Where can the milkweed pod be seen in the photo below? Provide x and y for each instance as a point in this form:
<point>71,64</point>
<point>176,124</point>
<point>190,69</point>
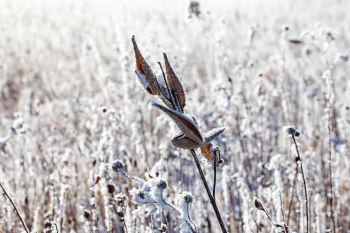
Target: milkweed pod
<point>174,83</point>
<point>187,126</point>
<point>206,151</point>
<point>212,134</point>
<point>164,94</point>
<point>184,142</point>
<point>144,72</point>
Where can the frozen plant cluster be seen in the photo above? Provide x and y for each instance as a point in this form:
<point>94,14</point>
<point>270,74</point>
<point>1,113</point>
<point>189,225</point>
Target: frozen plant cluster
<point>274,73</point>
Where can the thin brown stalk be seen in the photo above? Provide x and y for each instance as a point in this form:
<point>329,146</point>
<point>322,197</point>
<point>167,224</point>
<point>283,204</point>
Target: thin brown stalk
<point>15,208</point>
<point>207,189</point>
<point>292,197</point>
<point>284,219</point>
<point>304,183</point>
<point>214,181</point>
<point>331,177</point>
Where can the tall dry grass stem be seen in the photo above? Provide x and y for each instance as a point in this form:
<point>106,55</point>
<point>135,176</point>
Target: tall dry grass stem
<point>298,160</point>
<point>15,208</point>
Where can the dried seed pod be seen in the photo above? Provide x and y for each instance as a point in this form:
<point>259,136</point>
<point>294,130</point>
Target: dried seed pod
<point>97,180</point>
<point>206,151</point>
<point>165,94</point>
<point>258,205</point>
<point>111,188</point>
<point>187,126</point>
<point>144,72</point>
<point>212,134</point>
<point>206,148</point>
<point>191,137</point>
<point>184,142</point>
<point>175,85</point>
<point>87,214</point>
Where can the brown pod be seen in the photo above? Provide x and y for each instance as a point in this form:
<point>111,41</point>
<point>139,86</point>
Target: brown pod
<point>187,126</point>
<point>206,151</point>
<point>144,72</point>
<point>174,83</point>
<point>184,142</point>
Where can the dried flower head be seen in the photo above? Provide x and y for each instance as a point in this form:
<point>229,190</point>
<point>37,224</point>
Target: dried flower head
<point>87,214</point>
<point>258,204</point>
<point>292,131</point>
<point>194,8</point>
<point>111,188</point>
<point>188,198</point>
<point>140,197</point>
<point>161,184</point>
<point>117,165</point>
<point>163,228</point>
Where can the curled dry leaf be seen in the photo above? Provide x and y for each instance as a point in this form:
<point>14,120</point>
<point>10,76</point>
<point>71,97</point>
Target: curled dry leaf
<point>175,85</point>
<point>144,72</point>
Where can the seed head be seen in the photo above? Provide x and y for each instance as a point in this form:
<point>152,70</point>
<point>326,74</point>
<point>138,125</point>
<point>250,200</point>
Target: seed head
<point>188,198</point>
<point>141,194</point>
<point>48,225</point>
<point>258,204</point>
<point>292,131</point>
<point>111,188</point>
<point>163,227</point>
<point>117,165</point>
<point>87,214</point>
<point>162,184</point>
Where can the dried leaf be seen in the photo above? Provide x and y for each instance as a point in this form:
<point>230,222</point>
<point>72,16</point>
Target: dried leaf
<point>174,84</point>
<point>144,72</point>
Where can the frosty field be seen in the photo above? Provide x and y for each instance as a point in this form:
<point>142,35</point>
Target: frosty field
<point>83,149</point>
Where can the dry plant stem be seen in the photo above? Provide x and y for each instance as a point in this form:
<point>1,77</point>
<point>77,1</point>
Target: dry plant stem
<point>211,198</point>
<point>152,222</point>
<point>14,206</point>
<point>331,176</point>
<point>292,197</point>
<point>284,219</point>
<point>125,228</point>
<point>192,223</point>
<point>304,182</point>
<point>214,182</point>
<point>56,228</point>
